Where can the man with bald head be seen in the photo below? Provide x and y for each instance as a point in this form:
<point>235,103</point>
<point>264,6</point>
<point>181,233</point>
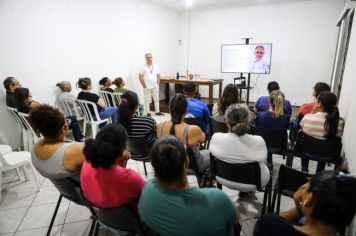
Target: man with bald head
<point>11,84</point>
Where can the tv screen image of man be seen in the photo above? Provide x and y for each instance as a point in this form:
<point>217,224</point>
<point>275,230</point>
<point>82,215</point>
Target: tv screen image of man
<point>259,64</point>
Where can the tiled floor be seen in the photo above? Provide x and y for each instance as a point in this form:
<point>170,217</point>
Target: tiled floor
<point>26,211</point>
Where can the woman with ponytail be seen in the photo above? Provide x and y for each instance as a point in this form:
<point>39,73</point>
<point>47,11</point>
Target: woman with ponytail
<point>274,120</point>
<point>237,146</point>
<point>327,202</point>
<point>136,126</point>
<point>263,103</point>
<point>105,84</point>
<point>104,179</point>
<point>191,135</point>
<point>326,123</point>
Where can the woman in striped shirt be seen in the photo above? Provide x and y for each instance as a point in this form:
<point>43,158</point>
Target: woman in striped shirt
<point>325,123</point>
<point>136,126</point>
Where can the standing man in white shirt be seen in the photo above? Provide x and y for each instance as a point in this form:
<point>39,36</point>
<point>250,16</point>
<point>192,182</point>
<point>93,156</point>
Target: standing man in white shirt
<point>149,78</point>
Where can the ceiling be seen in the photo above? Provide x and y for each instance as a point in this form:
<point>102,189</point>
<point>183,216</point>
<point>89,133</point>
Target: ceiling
<point>180,5</point>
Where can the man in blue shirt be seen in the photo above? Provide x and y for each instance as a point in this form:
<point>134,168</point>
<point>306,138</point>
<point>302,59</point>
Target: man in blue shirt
<point>262,103</point>
<point>196,108</point>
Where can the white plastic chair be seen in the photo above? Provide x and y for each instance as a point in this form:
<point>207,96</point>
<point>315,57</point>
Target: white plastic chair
<point>93,119</point>
<point>110,99</point>
<point>33,135</point>
<point>16,160</point>
<point>63,106</point>
<point>26,134</point>
<point>72,109</point>
<point>117,99</point>
<point>5,149</point>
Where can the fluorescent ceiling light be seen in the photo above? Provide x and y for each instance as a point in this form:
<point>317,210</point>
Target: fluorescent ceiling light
<point>189,2</point>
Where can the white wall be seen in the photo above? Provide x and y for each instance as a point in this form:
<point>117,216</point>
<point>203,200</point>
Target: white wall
<point>43,42</point>
<point>303,34</point>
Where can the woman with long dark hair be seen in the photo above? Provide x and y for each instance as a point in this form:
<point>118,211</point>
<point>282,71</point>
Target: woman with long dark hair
<point>23,100</point>
<point>326,123</point>
<point>191,135</point>
<point>229,96</point>
<point>136,126</point>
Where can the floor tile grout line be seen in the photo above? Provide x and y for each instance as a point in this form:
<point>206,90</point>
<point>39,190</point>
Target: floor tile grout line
<point>35,228</point>
<point>64,221</point>
<point>40,227</point>
<point>11,181</point>
<point>27,211</point>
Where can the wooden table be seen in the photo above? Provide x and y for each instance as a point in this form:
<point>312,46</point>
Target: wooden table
<point>201,82</point>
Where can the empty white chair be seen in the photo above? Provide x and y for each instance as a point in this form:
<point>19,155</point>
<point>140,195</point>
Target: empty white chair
<point>33,135</point>
<point>26,134</point>
<point>5,149</point>
<point>16,160</point>
<point>94,119</point>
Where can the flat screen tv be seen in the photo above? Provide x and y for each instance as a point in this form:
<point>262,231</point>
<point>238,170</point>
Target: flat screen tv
<point>246,58</point>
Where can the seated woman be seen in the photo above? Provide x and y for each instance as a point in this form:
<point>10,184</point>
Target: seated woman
<point>238,146</point>
<point>274,120</point>
<point>191,135</point>
<point>262,103</point>
<point>51,156</point>
<point>85,94</point>
<point>104,179</point>
<point>23,100</point>
<point>136,126</point>
<point>65,92</point>
<point>229,96</point>
<point>66,88</point>
<point>326,123</point>
<point>120,85</point>
<point>170,206</point>
<point>105,84</point>
<point>24,103</point>
<point>327,202</point>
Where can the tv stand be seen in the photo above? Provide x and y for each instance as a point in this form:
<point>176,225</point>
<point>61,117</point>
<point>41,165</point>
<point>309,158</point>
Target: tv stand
<point>240,83</point>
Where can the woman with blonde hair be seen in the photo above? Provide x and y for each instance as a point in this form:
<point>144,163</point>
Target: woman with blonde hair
<point>273,120</point>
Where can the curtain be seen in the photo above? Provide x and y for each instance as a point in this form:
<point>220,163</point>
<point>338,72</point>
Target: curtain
<point>345,25</point>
